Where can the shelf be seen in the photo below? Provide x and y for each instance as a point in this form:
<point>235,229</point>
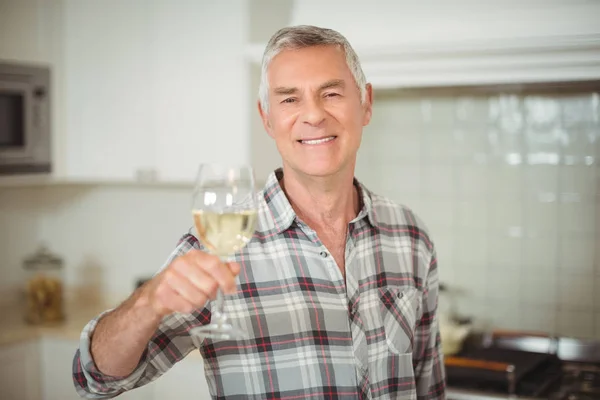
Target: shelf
<point>45,180</point>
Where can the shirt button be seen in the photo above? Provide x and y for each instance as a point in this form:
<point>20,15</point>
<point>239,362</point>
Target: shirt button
<point>324,254</point>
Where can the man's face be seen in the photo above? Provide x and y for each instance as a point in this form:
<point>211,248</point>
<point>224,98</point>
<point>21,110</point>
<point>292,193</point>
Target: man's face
<point>315,113</point>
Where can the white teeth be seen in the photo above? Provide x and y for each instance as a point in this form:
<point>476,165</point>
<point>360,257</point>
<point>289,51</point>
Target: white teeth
<point>318,141</point>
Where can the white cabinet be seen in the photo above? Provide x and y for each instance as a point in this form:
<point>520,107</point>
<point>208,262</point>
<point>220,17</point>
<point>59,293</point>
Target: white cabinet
<point>27,30</point>
<point>19,372</point>
<point>41,370</point>
<point>153,88</point>
<point>141,90</point>
<point>200,91</point>
<point>56,364</point>
<point>184,381</point>
<point>143,393</point>
<point>32,32</point>
<point>108,89</point>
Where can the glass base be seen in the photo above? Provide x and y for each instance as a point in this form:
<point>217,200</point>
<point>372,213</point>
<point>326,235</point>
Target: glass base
<point>219,332</point>
<point>219,328</point>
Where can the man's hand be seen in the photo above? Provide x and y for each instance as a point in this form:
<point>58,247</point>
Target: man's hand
<point>188,282</point>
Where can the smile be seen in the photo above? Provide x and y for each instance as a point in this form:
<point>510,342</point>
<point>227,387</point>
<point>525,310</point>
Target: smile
<point>318,141</point>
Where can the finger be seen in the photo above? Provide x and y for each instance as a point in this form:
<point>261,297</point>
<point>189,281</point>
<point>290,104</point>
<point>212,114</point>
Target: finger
<point>234,268</point>
<point>219,272</point>
<point>171,300</point>
<point>203,257</point>
<point>196,276</point>
<point>182,285</point>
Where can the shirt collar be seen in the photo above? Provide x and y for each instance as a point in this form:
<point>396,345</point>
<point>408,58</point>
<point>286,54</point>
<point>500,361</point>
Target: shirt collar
<point>281,215</point>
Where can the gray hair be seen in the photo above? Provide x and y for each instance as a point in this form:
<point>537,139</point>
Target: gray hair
<point>302,36</point>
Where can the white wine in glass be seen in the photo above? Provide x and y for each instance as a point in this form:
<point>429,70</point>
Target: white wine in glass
<point>224,209</point>
<point>224,233</point>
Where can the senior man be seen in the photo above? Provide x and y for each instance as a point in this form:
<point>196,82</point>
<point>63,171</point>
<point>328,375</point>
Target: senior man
<point>338,287</point>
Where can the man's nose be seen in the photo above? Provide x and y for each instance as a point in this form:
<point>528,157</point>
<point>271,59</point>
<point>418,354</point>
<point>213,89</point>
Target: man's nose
<point>313,112</point>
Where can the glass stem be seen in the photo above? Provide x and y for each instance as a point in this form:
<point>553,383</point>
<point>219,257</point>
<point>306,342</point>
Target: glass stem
<point>219,301</point>
<point>219,304</point>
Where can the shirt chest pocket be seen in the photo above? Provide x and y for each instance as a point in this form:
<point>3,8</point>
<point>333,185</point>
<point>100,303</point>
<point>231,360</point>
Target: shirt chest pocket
<point>400,310</point>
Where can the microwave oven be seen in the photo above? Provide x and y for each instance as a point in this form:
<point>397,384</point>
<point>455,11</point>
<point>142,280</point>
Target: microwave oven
<point>25,141</point>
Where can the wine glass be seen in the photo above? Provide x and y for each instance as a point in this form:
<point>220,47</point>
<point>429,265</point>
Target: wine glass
<point>224,209</point>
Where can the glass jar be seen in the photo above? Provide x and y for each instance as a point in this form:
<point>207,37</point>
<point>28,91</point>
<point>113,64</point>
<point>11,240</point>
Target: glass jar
<point>44,287</point>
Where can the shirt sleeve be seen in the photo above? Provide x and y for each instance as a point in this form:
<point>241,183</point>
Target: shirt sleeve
<point>429,363</point>
<point>169,344</point>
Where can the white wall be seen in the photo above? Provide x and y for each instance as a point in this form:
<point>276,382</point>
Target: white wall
<point>509,186</point>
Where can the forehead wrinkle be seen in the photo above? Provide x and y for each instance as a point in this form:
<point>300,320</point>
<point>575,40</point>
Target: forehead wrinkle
<point>333,83</point>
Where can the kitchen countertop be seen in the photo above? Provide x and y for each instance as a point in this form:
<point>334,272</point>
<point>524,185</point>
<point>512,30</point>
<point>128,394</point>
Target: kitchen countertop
<point>78,310</point>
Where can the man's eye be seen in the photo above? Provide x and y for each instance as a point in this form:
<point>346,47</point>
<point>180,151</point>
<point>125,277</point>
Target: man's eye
<point>332,95</point>
<point>289,100</point>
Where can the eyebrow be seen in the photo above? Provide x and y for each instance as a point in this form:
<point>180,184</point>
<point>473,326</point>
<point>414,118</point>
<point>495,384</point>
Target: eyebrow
<point>285,91</point>
<point>333,84</point>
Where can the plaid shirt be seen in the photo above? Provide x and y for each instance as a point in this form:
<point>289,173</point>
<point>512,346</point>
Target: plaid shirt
<point>312,334</point>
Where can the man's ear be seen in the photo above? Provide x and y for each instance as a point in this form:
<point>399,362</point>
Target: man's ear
<point>264,116</point>
<point>368,105</point>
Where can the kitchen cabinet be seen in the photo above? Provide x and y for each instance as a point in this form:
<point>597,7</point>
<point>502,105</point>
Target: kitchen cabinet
<point>199,94</point>
<point>31,32</point>
<point>41,370</point>
<point>153,88</point>
<point>184,381</point>
<point>27,31</point>
<point>108,90</point>
<point>55,363</point>
<point>55,369</point>
<point>141,90</point>
<point>19,372</point>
